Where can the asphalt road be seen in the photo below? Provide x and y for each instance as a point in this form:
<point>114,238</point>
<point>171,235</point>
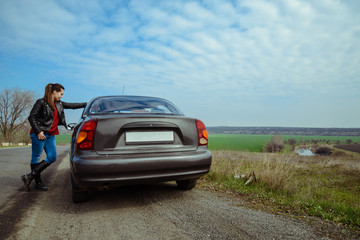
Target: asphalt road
<point>139,212</point>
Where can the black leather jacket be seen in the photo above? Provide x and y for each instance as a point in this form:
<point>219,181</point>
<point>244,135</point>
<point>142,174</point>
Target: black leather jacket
<point>42,116</point>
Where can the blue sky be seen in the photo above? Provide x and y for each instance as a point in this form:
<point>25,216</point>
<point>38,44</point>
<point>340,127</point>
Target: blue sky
<point>292,63</point>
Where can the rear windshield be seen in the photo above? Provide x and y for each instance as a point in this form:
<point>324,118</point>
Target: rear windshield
<point>132,105</point>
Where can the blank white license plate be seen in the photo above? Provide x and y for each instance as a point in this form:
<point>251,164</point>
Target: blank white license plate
<point>154,136</point>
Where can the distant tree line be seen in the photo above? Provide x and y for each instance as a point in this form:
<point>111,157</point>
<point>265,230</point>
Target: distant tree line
<point>285,131</point>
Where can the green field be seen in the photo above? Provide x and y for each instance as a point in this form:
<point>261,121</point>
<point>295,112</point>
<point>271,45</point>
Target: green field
<point>63,139</point>
<point>238,142</point>
<point>255,143</point>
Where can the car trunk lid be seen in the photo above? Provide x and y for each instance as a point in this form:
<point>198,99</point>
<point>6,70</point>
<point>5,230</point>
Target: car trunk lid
<point>140,135</point>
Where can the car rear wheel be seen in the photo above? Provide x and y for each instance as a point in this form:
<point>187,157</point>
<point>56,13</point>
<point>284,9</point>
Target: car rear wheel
<point>78,196</point>
<point>186,184</point>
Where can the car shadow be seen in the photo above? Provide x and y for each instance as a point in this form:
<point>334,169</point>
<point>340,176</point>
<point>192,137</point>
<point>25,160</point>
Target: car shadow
<point>59,197</point>
<point>138,194</point>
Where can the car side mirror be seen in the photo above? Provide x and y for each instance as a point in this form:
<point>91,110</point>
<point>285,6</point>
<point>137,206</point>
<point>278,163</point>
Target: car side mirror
<point>71,126</point>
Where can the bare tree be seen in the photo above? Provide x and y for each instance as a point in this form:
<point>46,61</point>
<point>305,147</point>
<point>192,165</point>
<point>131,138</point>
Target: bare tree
<point>23,135</point>
<point>15,105</point>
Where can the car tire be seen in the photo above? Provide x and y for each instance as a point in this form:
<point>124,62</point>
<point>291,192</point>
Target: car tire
<point>78,196</point>
<point>186,184</point>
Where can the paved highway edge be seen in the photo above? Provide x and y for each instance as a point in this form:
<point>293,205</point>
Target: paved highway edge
<point>18,203</point>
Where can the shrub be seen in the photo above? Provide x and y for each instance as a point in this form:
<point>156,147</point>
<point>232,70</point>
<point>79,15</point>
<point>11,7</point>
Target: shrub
<point>315,141</point>
<point>276,144</point>
<point>292,141</point>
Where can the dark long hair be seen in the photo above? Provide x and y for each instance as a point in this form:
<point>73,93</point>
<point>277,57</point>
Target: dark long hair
<point>49,89</point>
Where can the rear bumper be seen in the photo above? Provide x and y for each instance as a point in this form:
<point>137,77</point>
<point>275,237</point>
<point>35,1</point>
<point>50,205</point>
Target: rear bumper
<point>96,171</point>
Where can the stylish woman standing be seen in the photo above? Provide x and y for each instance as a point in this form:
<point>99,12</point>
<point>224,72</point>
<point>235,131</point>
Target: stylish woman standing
<point>45,116</point>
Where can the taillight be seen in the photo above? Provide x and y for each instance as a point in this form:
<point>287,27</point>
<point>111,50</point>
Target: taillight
<point>85,137</point>
<point>202,133</point>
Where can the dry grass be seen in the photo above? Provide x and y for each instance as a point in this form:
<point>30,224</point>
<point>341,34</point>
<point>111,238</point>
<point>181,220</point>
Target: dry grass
<point>273,169</point>
<point>327,187</point>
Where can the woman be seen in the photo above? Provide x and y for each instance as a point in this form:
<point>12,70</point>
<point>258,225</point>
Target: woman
<point>45,116</point>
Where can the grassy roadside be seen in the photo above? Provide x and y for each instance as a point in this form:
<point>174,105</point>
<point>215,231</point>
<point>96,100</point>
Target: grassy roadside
<point>63,139</point>
<point>325,187</point>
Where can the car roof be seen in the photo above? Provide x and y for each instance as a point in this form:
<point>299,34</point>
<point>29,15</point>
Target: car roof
<point>126,96</point>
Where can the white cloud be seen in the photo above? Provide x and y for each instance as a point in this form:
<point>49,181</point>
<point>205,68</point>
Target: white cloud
<point>246,50</point>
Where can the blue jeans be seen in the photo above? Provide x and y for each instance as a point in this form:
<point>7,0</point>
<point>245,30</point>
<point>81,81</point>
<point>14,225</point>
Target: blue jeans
<point>37,145</point>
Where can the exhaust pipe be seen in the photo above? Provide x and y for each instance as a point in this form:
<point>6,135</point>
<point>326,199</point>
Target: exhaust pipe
<point>105,187</point>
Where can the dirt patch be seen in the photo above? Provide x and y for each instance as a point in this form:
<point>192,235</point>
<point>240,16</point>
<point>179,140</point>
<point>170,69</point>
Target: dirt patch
<point>349,147</point>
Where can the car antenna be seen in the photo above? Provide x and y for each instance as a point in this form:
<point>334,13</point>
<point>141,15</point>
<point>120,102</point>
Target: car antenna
<point>123,90</point>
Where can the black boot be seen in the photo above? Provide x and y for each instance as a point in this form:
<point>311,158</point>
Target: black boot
<point>27,178</point>
<point>39,185</point>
